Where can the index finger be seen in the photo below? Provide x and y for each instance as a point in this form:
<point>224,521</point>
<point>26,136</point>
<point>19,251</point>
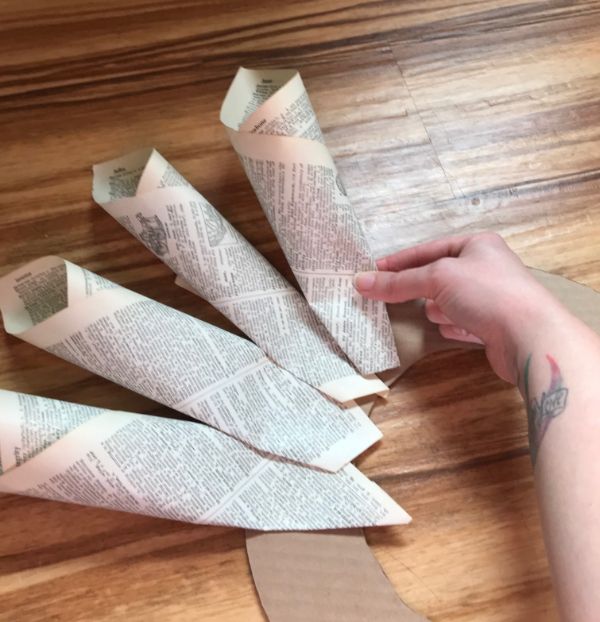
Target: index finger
<point>396,286</point>
<point>423,254</point>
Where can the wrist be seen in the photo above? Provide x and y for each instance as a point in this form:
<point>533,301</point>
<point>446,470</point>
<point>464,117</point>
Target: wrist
<point>539,327</point>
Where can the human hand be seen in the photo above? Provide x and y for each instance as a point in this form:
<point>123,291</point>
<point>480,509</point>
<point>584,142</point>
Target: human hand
<point>476,290</point>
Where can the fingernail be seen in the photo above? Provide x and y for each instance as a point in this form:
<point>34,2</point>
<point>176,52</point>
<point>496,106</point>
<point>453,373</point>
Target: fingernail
<point>364,281</point>
<point>382,264</point>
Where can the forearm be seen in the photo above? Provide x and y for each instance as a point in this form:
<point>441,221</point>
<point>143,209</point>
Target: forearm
<point>477,289</point>
<point>559,363</point>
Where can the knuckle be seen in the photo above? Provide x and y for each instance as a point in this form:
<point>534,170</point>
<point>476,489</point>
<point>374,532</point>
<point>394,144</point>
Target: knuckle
<point>490,237</point>
<point>440,273</point>
<point>441,269</point>
<point>390,285</point>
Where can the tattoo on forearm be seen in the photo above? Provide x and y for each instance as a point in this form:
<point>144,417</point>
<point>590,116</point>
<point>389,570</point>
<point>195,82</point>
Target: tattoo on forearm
<point>541,412</point>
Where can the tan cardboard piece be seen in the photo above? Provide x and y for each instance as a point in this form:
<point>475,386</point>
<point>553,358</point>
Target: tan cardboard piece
<point>332,575</point>
<point>321,577</point>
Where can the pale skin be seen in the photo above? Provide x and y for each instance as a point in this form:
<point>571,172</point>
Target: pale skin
<point>478,290</point>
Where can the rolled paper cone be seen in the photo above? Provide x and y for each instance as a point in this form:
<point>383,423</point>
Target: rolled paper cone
<point>179,361</point>
<point>172,469</point>
<point>155,203</point>
<point>273,128</point>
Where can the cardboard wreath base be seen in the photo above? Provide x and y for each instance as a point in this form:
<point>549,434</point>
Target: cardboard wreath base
<point>322,576</point>
<point>332,575</point>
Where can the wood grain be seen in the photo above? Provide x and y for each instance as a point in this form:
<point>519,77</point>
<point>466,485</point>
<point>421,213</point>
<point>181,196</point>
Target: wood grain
<point>443,116</point>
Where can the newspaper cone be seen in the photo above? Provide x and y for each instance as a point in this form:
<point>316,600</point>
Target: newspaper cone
<point>177,360</point>
<point>178,470</point>
<point>275,132</point>
<point>162,210</point>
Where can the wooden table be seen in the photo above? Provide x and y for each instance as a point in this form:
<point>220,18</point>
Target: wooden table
<point>443,116</point>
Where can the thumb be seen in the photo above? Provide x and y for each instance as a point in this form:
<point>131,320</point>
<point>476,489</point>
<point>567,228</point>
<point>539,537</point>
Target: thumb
<point>395,286</point>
